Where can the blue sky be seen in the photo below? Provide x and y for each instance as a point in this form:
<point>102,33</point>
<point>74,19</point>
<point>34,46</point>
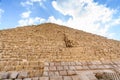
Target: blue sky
<point>101,17</point>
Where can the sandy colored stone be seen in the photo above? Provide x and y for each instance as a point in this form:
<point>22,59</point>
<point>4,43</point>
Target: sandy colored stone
<point>75,78</point>
<point>63,73</point>
<point>35,78</point>
<point>13,75</point>
<point>27,48</point>
<point>52,68</point>
<point>44,78</point>
<point>23,74</point>
<point>27,79</point>
<point>78,67</point>
<point>46,68</point>
<point>67,78</point>
<point>4,75</point>
<point>60,68</point>
<point>71,72</point>
<point>71,67</point>
<point>57,73</point>
<point>92,66</point>
<point>66,67</point>
<point>45,73</point>
<point>56,78</point>
<point>51,73</point>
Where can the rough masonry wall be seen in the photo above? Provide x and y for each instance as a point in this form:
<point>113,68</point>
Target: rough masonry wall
<point>26,48</point>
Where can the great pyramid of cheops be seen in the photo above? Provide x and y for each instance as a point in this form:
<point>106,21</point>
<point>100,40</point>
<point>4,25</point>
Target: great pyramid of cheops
<point>27,48</point>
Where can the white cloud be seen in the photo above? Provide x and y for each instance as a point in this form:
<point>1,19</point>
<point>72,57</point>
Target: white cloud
<point>31,3</point>
<point>26,14</point>
<point>31,21</point>
<point>86,15</point>
<point>26,18</point>
<point>1,12</point>
<point>26,3</point>
<point>53,20</point>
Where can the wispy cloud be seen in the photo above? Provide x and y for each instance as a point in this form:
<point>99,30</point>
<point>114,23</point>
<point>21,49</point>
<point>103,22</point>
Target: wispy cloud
<point>31,3</point>
<point>26,14</point>
<point>87,15</point>
<point>31,21</point>
<point>26,18</point>
<point>1,12</point>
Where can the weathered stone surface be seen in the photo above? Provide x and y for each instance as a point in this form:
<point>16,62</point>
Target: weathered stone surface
<point>57,63</point>
<point>85,67</point>
<point>27,79</point>
<point>73,63</point>
<point>83,77</point>
<point>4,75</point>
<point>108,66</point>
<point>78,63</point>
<point>46,64</point>
<point>67,77</point>
<point>63,73</point>
<point>45,73</point>
<point>91,76</point>
<point>44,78</point>
<point>52,68</point>
<point>51,73</point>
<point>56,78</point>
<point>23,74</point>
<point>78,67</point>
<point>66,68</point>
<point>96,62</point>
<point>57,73</point>
<point>71,67</point>
<point>71,72</point>
<point>1,46</point>
<point>35,78</point>
<point>99,75</point>
<point>76,77</point>
<point>92,66</point>
<point>60,45</point>
<point>60,68</point>
<point>51,64</point>
<point>13,75</point>
<point>101,66</point>
<point>18,79</point>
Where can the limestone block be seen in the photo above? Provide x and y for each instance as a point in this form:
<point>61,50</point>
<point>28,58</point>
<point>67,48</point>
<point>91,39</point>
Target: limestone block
<point>44,78</point>
<point>59,68</point>
<point>45,73</point>
<point>13,75</point>
<point>18,79</point>
<point>35,78</point>
<point>67,78</point>
<point>4,75</point>
<point>63,73</point>
<point>27,79</point>
<point>71,72</point>
<point>2,46</point>
<point>23,74</point>
<point>56,78</point>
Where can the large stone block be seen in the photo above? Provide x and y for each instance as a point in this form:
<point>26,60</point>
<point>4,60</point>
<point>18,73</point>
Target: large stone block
<point>13,75</point>
<point>23,74</point>
<point>4,75</point>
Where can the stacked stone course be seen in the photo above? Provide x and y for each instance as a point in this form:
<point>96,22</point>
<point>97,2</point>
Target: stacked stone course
<point>27,48</point>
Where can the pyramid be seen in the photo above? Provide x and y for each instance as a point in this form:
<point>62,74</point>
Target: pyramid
<point>27,48</point>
